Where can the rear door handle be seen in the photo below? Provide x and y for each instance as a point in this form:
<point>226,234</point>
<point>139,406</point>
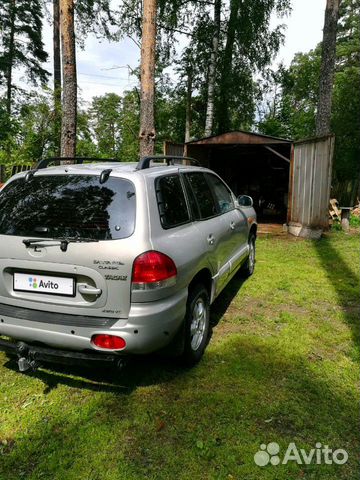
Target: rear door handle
<point>211,239</point>
<point>232,225</point>
<point>87,290</point>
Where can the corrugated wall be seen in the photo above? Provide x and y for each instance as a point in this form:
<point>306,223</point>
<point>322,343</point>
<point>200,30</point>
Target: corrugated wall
<point>310,180</point>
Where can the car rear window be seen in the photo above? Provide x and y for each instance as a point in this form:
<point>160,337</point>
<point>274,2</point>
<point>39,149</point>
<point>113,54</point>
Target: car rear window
<point>60,206</point>
<point>171,201</point>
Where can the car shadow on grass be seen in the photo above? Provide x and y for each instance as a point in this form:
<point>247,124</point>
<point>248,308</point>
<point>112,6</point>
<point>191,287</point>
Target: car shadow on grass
<point>248,391</point>
<point>345,283</point>
<point>138,371</point>
<point>221,304</point>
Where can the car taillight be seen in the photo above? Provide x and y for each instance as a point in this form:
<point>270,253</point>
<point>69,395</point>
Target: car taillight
<point>108,342</point>
<point>153,270</point>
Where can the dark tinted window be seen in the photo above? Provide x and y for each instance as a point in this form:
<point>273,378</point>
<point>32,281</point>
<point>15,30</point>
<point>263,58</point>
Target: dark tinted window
<point>171,201</point>
<point>192,200</point>
<point>221,192</point>
<point>68,206</point>
<point>203,194</point>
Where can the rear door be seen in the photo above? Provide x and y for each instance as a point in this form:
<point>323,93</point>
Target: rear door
<point>90,274</point>
<point>233,219</point>
<point>210,223</point>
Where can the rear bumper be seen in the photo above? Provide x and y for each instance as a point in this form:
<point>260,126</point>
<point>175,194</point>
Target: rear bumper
<point>36,355</point>
<point>150,327</point>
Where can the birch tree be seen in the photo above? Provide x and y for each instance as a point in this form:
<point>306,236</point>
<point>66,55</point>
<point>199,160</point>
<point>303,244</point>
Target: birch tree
<point>212,70</point>
<point>224,117</point>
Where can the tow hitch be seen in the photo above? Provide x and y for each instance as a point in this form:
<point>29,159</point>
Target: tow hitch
<point>31,357</point>
<point>25,360</point>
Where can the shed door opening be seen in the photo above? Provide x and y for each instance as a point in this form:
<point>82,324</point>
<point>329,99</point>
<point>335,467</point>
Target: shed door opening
<point>255,170</point>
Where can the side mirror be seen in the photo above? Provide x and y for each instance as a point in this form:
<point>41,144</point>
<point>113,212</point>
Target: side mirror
<point>245,201</point>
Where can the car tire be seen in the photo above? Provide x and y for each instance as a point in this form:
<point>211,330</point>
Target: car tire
<point>196,325</point>
<point>249,266</point>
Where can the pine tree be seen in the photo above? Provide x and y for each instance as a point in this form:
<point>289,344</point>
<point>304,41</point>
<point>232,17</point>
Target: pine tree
<point>57,74</point>
<point>323,117</point>
<point>21,43</point>
<point>148,47</point>
<point>69,103</point>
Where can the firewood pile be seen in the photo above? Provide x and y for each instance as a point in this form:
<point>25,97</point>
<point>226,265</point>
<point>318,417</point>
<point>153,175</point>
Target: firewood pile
<point>356,211</point>
<point>335,210</point>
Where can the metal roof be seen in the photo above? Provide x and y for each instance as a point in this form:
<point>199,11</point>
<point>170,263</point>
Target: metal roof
<point>239,137</point>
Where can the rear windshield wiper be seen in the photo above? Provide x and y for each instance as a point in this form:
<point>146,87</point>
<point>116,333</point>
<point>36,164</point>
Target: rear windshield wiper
<point>64,242</point>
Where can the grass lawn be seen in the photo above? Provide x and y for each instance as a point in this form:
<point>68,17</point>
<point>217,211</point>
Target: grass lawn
<point>282,366</point>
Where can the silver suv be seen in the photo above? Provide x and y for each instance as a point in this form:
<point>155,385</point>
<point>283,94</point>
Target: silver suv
<point>106,259</point>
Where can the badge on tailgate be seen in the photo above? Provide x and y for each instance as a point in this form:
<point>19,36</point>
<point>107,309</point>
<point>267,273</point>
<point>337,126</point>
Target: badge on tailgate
<point>32,282</point>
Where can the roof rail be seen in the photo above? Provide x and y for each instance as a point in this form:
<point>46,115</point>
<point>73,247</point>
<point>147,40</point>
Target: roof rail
<point>75,160</point>
<point>72,160</point>
<point>145,161</point>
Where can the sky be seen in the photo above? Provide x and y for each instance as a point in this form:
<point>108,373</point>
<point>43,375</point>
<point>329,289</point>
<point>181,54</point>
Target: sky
<point>103,67</point>
<point>304,28</point>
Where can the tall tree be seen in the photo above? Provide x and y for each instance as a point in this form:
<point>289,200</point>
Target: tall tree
<point>296,90</point>
<point>323,117</point>
<point>185,71</point>
<point>147,75</point>
<point>212,70</point>
<point>129,126</point>
<point>105,112</point>
<point>57,73</point>
<point>224,120</point>
<point>69,103</point>
<point>97,17</point>
<point>296,108</point>
<point>10,56</point>
<point>348,35</point>
<point>188,113</point>
<point>250,46</point>
<point>21,42</point>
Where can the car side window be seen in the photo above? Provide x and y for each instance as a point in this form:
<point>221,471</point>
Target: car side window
<point>203,195</point>
<point>171,201</point>
<point>194,207</point>
<point>222,194</point>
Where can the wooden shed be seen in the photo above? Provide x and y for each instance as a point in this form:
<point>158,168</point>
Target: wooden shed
<point>289,181</point>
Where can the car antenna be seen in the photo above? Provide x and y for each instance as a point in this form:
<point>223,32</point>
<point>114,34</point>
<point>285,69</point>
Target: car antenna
<point>104,175</point>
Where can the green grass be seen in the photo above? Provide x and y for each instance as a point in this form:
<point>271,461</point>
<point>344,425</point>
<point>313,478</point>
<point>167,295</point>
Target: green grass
<point>354,221</point>
<point>282,366</point>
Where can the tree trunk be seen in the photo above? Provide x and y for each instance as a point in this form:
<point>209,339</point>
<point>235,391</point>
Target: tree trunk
<point>225,82</point>
<point>188,104</point>
<point>10,59</point>
<point>323,117</point>
<point>148,46</point>
<point>69,104</point>
<point>57,75</point>
<point>212,70</point>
